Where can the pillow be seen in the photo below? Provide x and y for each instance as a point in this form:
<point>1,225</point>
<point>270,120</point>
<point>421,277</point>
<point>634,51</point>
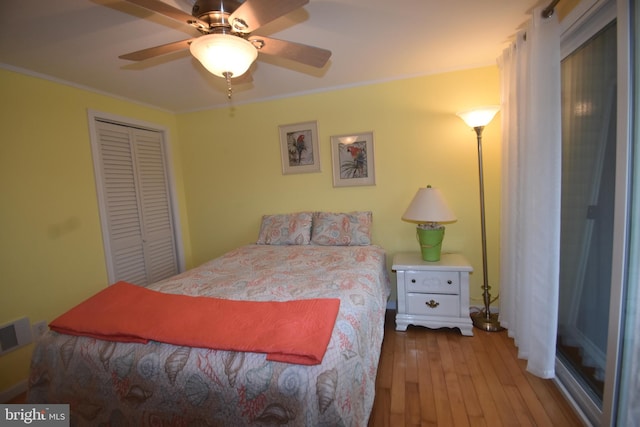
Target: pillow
<point>341,229</point>
<point>285,229</point>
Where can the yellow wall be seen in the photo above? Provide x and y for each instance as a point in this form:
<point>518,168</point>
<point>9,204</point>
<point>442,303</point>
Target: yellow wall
<point>51,253</point>
<point>228,171</point>
<point>233,174</point>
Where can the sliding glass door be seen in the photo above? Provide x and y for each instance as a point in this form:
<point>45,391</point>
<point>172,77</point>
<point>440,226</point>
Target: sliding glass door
<point>594,217</point>
<point>588,188</point>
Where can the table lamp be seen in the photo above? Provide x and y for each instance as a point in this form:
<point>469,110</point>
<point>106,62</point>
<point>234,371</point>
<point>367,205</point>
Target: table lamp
<point>428,208</point>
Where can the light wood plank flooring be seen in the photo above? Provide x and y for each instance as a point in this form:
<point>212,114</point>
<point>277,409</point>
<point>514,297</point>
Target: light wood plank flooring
<point>440,378</point>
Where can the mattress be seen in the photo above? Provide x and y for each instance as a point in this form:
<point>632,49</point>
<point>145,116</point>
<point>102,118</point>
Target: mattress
<point>136,384</point>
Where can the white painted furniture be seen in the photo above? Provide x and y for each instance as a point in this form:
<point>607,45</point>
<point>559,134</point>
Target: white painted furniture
<point>433,294</point>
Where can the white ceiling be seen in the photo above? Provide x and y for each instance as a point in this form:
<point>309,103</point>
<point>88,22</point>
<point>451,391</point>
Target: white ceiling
<point>78,41</point>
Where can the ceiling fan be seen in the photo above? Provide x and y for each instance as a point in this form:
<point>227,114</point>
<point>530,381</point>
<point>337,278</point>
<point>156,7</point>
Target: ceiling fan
<point>227,47</point>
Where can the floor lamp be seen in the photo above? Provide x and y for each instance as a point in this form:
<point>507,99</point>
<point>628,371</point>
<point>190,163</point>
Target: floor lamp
<point>478,118</point>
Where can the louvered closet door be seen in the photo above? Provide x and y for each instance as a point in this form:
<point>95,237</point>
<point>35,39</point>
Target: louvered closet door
<point>157,224</point>
<point>137,205</point>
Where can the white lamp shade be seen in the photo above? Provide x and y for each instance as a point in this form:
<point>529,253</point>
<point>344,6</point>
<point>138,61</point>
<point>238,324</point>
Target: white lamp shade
<point>224,53</point>
<point>480,116</point>
<point>428,205</point>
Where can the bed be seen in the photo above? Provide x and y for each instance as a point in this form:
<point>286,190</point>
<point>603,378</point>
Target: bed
<point>297,257</point>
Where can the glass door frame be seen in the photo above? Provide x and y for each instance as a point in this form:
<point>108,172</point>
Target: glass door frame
<point>587,18</point>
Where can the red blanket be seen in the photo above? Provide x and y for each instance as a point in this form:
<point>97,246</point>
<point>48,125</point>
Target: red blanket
<point>289,331</point>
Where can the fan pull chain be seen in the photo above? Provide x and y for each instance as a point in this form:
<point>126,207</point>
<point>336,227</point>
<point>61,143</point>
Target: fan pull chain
<point>227,77</point>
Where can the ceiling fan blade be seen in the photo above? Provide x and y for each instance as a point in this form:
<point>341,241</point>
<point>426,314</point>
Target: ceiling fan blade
<point>171,12</point>
<point>152,52</point>
<point>309,55</point>
<point>252,14</point>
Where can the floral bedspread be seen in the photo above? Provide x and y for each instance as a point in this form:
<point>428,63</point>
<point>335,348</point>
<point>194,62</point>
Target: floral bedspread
<point>155,384</point>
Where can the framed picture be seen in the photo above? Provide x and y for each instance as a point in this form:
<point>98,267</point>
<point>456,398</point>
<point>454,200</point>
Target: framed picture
<point>353,161</point>
<point>299,148</point>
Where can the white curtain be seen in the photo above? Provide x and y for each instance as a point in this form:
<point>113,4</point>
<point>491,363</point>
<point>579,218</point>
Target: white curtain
<point>530,242</point>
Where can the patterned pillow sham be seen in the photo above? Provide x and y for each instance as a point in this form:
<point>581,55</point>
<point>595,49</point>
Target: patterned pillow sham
<point>341,229</point>
<point>285,229</point>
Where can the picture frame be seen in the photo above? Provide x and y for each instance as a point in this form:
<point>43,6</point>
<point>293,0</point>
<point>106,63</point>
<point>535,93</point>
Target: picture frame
<point>353,159</point>
<point>299,148</point>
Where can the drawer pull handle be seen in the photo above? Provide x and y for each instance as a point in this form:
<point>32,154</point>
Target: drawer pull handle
<point>449,282</point>
<point>432,303</point>
<point>413,280</point>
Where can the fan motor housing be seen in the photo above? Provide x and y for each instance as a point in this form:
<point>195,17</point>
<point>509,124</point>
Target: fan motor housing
<point>215,12</point>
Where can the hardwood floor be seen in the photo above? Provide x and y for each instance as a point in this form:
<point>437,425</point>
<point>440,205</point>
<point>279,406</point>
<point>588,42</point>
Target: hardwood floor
<point>440,378</point>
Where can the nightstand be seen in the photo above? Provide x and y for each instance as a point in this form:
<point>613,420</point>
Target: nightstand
<point>433,294</point>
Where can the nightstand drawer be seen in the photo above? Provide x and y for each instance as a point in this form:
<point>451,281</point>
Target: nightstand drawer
<point>433,304</point>
<point>444,282</point>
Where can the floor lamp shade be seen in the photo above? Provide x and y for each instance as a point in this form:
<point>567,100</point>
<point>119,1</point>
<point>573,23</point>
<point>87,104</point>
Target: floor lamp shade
<point>480,116</point>
<point>428,208</point>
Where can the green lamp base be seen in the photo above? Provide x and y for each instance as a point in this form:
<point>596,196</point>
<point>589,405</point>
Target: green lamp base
<point>430,242</point>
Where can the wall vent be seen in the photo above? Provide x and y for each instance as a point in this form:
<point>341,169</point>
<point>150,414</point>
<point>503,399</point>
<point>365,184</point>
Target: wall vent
<point>14,335</point>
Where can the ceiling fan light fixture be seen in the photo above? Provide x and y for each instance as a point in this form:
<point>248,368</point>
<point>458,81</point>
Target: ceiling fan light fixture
<point>224,53</point>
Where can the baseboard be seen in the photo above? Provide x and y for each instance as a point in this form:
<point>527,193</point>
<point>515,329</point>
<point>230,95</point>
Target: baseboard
<point>14,391</point>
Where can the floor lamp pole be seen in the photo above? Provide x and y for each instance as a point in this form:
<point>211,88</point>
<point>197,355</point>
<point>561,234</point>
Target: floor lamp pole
<point>484,319</point>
